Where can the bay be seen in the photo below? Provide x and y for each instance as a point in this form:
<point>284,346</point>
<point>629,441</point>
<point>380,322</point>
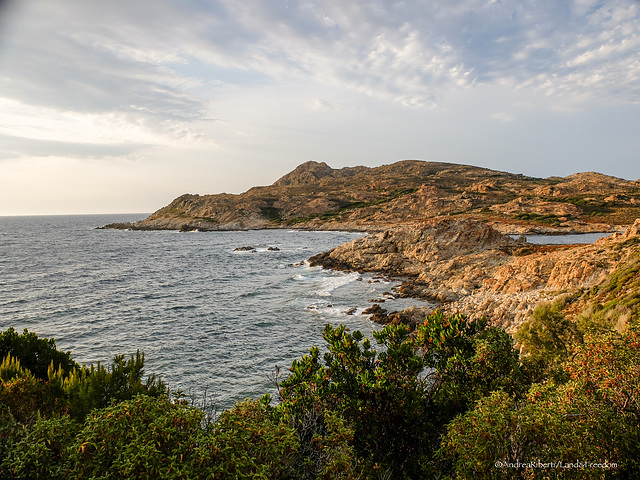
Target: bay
<point>206,316</point>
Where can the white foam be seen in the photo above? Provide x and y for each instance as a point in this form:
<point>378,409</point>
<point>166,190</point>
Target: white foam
<point>307,266</point>
<point>330,284</point>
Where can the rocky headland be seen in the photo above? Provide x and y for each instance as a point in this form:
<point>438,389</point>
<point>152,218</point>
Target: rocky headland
<point>318,197</point>
<point>442,228</point>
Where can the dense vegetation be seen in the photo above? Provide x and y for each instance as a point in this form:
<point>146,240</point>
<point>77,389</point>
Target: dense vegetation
<point>450,399</point>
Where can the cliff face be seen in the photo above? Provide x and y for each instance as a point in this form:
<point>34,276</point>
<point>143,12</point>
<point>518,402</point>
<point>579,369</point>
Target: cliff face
<point>467,266</point>
<point>316,196</point>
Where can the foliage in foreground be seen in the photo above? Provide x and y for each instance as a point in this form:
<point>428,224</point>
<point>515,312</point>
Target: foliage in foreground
<point>34,354</point>
<point>399,400</point>
<point>592,418</point>
<point>452,399</point>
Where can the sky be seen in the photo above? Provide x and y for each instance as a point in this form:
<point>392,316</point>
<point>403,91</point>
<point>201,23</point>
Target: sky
<point>121,106</point>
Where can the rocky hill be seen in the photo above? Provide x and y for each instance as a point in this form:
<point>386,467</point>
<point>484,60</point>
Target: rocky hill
<point>316,196</point>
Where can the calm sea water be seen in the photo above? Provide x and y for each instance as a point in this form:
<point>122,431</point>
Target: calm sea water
<point>577,238</point>
<point>206,316</point>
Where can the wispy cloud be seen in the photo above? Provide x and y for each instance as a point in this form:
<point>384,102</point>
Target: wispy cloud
<point>145,79</point>
<point>104,55</point>
<point>503,116</point>
<point>413,52</point>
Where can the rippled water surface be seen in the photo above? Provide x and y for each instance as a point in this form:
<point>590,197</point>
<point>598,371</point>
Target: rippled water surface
<point>205,315</point>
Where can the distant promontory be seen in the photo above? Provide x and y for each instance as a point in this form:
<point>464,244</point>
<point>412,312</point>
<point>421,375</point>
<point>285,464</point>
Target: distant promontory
<point>315,196</point>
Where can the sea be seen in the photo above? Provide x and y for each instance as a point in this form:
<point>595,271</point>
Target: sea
<point>213,321</point>
<point>210,319</point>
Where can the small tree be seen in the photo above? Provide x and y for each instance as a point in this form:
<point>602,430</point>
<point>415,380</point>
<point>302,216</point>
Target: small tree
<point>35,354</point>
<point>547,339</point>
<point>465,361</point>
<point>381,396</point>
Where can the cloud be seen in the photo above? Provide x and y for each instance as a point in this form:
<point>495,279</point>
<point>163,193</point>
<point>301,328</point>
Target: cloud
<point>136,57</point>
<point>15,147</point>
<point>80,66</point>
<point>257,81</point>
<point>503,117</point>
<point>414,52</point>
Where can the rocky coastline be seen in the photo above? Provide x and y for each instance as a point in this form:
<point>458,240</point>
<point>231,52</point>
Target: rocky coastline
<point>441,228</point>
<point>466,266</point>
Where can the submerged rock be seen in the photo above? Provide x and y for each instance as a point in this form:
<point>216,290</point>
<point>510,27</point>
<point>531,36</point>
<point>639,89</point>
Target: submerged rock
<point>245,249</point>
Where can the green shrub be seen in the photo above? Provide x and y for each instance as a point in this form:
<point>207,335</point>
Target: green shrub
<point>548,338</point>
<point>380,396</point>
<point>465,361</point>
<point>92,387</point>
<point>141,438</point>
<point>28,397</point>
<point>326,449</point>
<point>536,217</point>
<point>475,441</point>
<point>42,450</point>
<point>248,441</point>
<point>9,431</point>
<point>35,354</point>
<point>593,417</point>
<point>398,401</point>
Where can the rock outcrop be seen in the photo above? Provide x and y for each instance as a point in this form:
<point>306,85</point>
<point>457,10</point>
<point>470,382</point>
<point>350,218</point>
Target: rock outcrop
<point>467,266</point>
<point>305,174</point>
<point>412,251</point>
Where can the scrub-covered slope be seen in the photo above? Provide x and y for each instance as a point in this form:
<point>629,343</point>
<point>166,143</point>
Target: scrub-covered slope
<point>316,196</point>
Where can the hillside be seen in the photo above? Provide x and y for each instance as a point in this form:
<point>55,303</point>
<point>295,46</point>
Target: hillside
<point>316,196</point>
